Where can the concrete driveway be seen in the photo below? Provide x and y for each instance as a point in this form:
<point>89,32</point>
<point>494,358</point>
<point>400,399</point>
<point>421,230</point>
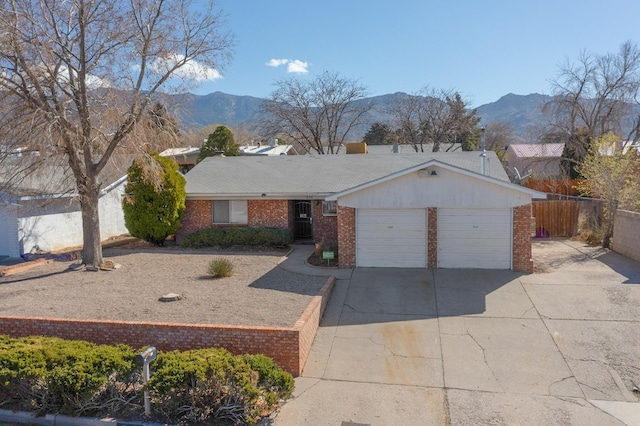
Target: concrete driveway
<point>458,347</point>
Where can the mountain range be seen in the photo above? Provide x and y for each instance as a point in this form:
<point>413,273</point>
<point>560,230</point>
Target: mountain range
<point>522,112</point>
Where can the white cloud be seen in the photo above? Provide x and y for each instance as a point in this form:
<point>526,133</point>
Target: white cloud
<point>191,70</point>
<point>297,66</point>
<point>293,65</point>
<point>276,62</point>
<point>92,81</point>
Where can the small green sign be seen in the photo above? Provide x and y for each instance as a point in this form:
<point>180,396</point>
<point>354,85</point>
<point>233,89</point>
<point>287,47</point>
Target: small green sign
<point>328,255</point>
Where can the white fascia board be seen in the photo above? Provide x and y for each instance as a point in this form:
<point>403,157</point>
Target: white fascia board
<point>430,163</point>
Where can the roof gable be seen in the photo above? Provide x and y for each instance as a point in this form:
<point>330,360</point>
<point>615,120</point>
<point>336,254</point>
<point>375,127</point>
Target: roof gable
<point>429,168</point>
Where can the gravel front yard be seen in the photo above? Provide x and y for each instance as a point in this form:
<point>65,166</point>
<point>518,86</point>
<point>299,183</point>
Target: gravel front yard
<point>258,293</point>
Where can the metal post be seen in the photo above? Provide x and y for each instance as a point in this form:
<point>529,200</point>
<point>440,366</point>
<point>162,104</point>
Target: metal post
<point>143,360</point>
<point>483,155</point>
<point>147,400</point>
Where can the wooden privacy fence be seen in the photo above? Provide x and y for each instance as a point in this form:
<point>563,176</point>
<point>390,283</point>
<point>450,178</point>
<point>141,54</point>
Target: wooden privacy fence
<point>556,218</point>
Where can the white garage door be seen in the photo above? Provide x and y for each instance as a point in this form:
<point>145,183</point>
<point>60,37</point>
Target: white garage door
<point>474,238</point>
<point>391,238</point>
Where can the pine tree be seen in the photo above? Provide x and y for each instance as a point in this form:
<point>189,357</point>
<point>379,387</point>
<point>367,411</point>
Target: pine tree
<point>154,198</point>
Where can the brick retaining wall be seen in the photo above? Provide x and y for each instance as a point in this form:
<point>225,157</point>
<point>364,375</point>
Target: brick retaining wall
<point>626,234</point>
<point>289,347</point>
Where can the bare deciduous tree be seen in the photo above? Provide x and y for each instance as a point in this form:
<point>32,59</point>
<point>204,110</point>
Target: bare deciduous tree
<point>498,136</point>
<point>317,115</point>
<point>610,172</point>
<point>436,117</point>
<point>592,96</point>
<point>81,75</point>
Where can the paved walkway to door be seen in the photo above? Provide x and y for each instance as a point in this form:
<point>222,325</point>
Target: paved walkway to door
<point>434,347</point>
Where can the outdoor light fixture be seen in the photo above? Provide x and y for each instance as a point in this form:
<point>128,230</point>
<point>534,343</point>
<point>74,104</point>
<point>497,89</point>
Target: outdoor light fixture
<point>433,173</point>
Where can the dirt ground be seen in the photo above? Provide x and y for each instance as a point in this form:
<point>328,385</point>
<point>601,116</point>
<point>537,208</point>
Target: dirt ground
<point>258,293</point>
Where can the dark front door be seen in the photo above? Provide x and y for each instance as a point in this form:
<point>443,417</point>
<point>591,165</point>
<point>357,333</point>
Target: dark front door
<point>303,222</point>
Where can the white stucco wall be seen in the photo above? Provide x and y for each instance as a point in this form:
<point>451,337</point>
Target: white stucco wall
<point>62,229</point>
<point>448,189</point>
<point>626,234</point>
<point>9,245</point>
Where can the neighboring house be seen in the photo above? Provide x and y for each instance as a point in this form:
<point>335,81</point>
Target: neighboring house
<point>39,211</point>
<point>404,148</point>
<point>434,210</point>
<point>540,161</point>
<point>187,157</point>
<point>270,149</point>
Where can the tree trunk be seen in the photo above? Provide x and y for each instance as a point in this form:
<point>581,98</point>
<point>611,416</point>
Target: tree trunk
<point>606,239</point>
<point>92,249</point>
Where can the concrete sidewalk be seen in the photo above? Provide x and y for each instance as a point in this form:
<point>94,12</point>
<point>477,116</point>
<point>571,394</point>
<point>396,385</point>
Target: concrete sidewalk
<point>459,347</point>
<point>296,261</point>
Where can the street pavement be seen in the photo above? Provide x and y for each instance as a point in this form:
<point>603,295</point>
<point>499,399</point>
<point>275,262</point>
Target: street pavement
<point>476,347</point>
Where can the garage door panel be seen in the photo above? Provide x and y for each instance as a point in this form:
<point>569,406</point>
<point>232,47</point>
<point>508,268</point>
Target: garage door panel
<point>391,238</point>
<point>469,231</point>
<point>474,238</point>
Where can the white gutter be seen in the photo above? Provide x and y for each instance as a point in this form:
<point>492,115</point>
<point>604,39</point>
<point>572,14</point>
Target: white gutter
<point>71,195</point>
<point>259,196</point>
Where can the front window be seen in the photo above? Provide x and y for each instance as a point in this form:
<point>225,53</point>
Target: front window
<point>229,211</point>
<point>329,208</point>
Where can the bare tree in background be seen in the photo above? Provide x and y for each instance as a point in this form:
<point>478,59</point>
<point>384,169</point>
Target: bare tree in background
<point>439,118</point>
<point>316,115</point>
<point>81,75</point>
<point>592,96</point>
<point>498,136</point>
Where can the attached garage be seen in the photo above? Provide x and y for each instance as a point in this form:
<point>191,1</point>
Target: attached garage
<point>474,238</point>
<point>391,238</point>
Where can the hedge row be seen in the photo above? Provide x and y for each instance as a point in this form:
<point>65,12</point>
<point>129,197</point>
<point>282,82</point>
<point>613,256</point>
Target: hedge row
<point>232,236</point>
<point>50,375</point>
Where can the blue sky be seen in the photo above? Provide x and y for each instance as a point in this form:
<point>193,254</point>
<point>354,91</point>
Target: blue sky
<point>483,49</point>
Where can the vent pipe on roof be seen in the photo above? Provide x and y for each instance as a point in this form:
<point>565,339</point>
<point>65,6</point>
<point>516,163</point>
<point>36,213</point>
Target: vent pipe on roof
<point>483,155</point>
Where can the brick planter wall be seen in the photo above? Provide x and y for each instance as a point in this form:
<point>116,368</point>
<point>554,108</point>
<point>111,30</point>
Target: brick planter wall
<point>522,258</point>
<point>289,347</point>
<point>346,237</point>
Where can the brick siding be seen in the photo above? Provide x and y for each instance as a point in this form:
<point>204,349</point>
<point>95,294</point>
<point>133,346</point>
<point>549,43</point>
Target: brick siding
<point>268,213</point>
<point>260,213</point>
<point>346,237</point>
<point>522,257</point>
<point>325,228</point>
<point>432,237</point>
<point>197,215</point>
<point>289,347</point>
